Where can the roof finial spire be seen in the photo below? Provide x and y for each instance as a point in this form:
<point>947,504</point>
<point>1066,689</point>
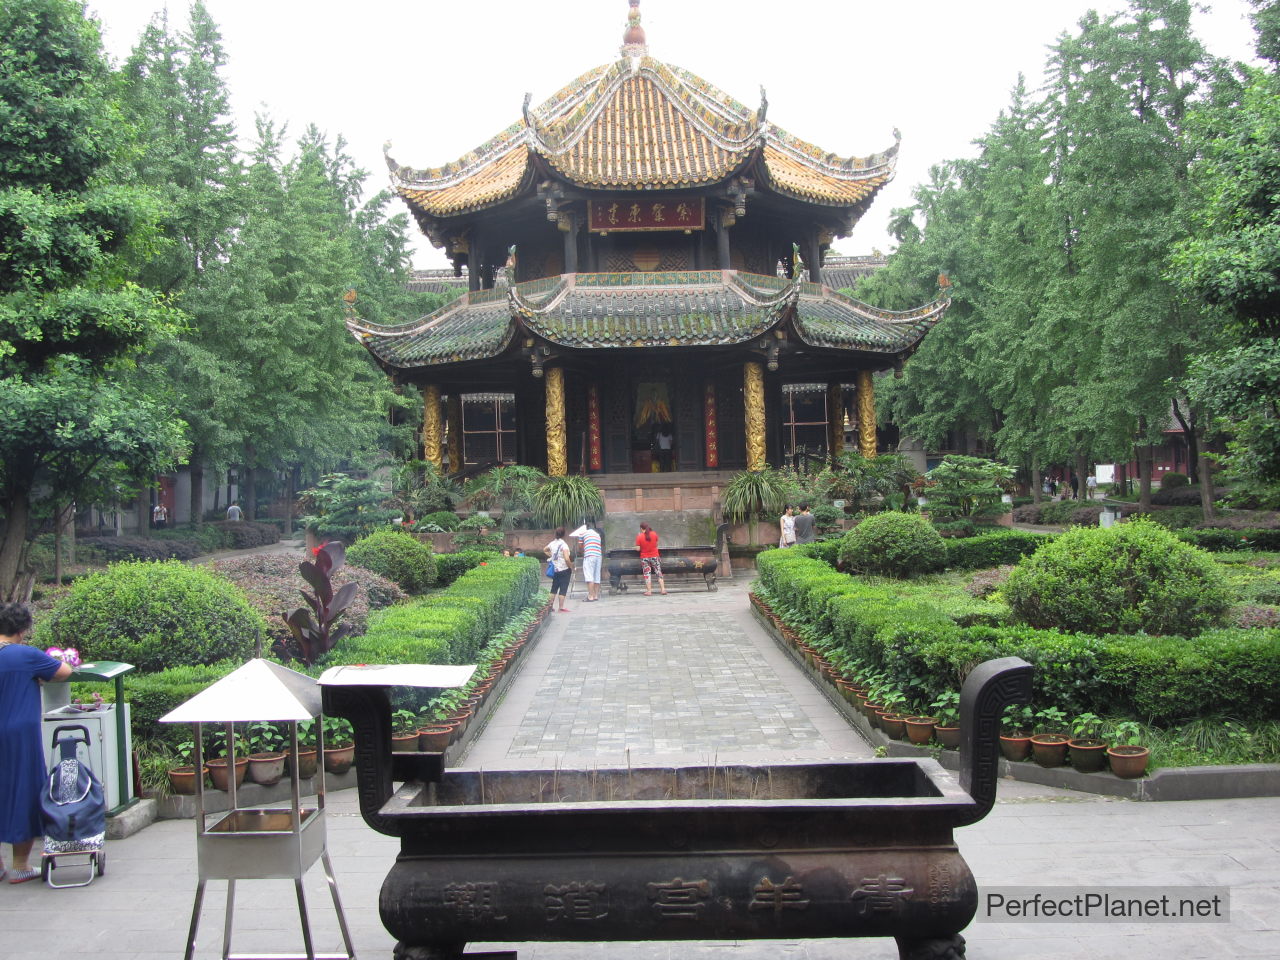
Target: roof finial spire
<point>633,44</point>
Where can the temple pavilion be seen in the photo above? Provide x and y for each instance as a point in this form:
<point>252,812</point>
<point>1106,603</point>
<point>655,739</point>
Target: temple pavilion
<point>661,250</point>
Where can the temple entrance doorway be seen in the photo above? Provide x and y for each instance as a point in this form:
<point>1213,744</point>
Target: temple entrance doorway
<point>653,431</point>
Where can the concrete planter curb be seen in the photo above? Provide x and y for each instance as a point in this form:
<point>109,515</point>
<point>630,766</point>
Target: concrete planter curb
<point>1170,783</point>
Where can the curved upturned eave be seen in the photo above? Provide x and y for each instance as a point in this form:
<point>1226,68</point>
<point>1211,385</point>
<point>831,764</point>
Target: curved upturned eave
<point>408,346</point>
<point>658,310</point>
<point>830,320</point>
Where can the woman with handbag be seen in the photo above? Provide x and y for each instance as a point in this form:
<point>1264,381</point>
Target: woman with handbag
<point>22,769</point>
<point>560,567</point>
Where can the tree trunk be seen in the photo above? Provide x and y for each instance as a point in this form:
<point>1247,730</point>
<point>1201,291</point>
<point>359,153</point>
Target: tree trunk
<point>1190,437</point>
<point>1144,454</point>
<point>1121,479</point>
<point>248,486</point>
<point>1204,467</point>
<point>1082,471</point>
<point>142,507</point>
<point>1037,496</point>
<point>57,545</point>
<point>197,486</point>
<point>288,499</point>
<point>12,547</point>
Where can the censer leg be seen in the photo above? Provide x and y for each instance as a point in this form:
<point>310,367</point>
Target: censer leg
<point>306,924</point>
<point>337,904</point>
<point>931,948</point>
<point>227,920</point>
<point>195,921</point>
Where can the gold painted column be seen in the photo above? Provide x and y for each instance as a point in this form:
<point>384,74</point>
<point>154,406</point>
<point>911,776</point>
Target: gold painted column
<point>866,414</point>
<point>557,444</point>
<point>753,400</point>
<point>835,420</point>
<point>454,414</point>
<point>431,426</point>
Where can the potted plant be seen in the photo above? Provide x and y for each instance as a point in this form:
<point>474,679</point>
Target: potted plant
<point>266,756</point>
<point>182,778</point>
<point>892,718</point>
<point>919,726</point>
<point>1088,751</point>
<point>433,735</point>
<point>1049,744</point>
<point>947,709</point>
<point>1128,758</point>
<point>1015,732</point>
<point>225,757</point>
<point>306,755</point>
<point>339,748</point>
<point>404,731</point>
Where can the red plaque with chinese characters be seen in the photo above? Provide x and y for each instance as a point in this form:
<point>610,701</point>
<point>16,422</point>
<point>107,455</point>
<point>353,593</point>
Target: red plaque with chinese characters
<point>646,213</point>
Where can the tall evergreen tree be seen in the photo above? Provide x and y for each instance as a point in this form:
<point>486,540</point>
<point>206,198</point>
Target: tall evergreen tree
<point>68,318</point>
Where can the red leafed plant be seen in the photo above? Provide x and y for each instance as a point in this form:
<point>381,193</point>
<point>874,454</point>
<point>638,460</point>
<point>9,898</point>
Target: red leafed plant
<point>315,627</point>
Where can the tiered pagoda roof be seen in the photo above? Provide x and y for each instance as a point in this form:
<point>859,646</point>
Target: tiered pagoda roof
<point>695,308</point>
<point>641,124</point>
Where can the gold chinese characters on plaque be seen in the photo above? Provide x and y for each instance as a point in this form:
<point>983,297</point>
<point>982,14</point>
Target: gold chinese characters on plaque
<point>621,214</point>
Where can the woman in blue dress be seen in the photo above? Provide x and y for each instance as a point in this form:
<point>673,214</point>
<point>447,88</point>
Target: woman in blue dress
<point>22,769</point>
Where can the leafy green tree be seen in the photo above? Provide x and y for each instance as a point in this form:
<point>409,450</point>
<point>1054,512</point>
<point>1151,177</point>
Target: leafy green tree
<point>967,488</point>
<point>69,319</point>
<point>1232,262</point>
<point>174,96</point>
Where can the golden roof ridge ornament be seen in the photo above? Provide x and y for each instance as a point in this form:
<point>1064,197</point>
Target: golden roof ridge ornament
<point>633,40</point>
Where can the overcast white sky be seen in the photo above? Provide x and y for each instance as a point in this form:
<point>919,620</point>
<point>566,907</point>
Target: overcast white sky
<point>439,77</point>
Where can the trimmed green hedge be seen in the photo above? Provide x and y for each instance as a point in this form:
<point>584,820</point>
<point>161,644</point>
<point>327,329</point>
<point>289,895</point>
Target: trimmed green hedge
<point>450,566</point>
<point>448,627</point>
<point>924,648</point>
<point>1219,541</point>
<point>993,549</point>
<point>894,544</point>
<point>154,616</point>
<point>397,555</point>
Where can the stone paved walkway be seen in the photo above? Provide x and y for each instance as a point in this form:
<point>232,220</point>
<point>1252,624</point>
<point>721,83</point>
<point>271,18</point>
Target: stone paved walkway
<point>556,714</point>
<point>655,679</point>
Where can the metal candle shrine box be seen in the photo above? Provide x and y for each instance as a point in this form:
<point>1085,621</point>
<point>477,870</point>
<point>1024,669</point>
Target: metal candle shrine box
<point>784,850</point>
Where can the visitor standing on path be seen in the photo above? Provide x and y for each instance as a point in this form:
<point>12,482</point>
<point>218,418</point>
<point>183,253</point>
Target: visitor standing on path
<point>787,525</point>
<point>234,513</point>
<point>159,516</point>
<point>804,525</point>
<point>592,558</point>
<point>22,769</point>
<point>650,563</point>
<point>557,552</point>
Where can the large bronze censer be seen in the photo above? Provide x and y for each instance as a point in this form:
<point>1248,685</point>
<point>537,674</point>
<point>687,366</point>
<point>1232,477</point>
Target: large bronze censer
<point>699,852</point>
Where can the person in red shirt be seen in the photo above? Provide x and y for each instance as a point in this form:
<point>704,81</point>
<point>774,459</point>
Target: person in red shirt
<point>650,564</point>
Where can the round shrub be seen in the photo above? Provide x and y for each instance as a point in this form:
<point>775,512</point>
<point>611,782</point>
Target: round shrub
<point>1132,578</point>
<point>272,583</point>
<point>444,519</point>
<point>398,556</point>
<point>154,616</point>
<point>893,544</point>
<point>1173,480</point>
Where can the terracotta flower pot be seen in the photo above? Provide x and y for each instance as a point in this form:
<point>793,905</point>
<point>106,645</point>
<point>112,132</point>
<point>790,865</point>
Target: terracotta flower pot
<point>182,780</point>
<point>893,724</point>
<point>338,759</point>
<point>1050,749</point>
<point>949,737</point>
<point>1015,746</point>
<point>404,742</point>
<point>920,729</point>
<point>1128,763</point>
<point>218,772</point>
<point>435,738</point>
<point>306,761</point>
<point>266,768</point>
<point>870,708</point>
<point>1087,756</point>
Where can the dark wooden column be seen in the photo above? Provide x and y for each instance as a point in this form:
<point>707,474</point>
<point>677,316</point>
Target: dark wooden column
<point>473,262</point>
<point>813,256</point>
<point>723,220</point>
<point>570,243</point>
